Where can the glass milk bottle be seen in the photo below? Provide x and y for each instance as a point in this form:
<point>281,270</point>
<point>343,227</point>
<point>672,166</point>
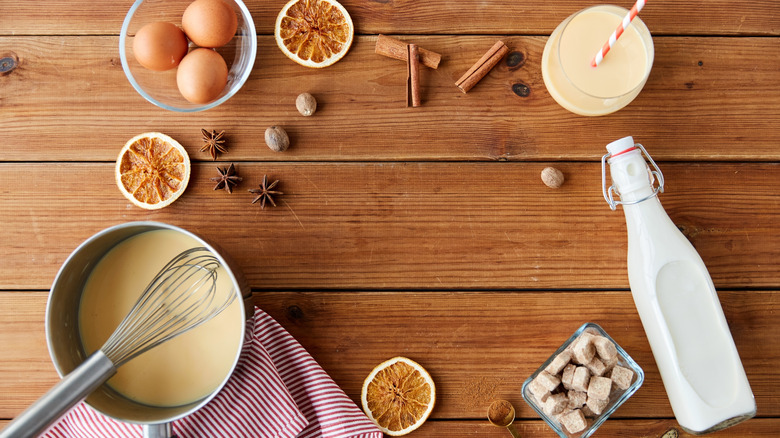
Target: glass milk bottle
<point>676,301</point>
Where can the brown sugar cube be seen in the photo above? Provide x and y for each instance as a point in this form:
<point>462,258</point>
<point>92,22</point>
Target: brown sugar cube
<point>568,375</point>
<point>577,399</point>
<point>555,404</point>
<point>596,367</point>
<point>599,387</point>
<point>583,349</point>
<point>547,380</point>
<point>557,417</point>
<point>580,379</point>
<point>574,421</point>
<point>605,348</point>
<point>610,363</point>
<point>559,362</point>
<point>597,405</point>
<point>588,413</point>
<point>539,391</point>
<point>622,377</point>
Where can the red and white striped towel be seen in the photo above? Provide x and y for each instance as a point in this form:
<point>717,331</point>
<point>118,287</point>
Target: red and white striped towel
<point>276,390</point>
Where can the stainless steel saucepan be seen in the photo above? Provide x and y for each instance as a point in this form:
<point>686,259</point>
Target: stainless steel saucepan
<point>64,340</point>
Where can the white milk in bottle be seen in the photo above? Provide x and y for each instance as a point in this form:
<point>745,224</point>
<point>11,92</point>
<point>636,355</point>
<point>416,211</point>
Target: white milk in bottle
<point>677,302</point>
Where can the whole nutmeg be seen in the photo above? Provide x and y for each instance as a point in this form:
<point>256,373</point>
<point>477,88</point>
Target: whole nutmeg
<point>552,177</point>
<point>306,104</point>
<point>277,139</point>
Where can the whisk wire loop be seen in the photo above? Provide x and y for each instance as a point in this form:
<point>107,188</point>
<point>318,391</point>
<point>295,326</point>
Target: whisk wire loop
<point>181,296</point>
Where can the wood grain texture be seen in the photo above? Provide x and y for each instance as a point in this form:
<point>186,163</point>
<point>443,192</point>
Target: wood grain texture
<point>422,232</point>
<point>404,225</point>
<point>714,17</point>
<point>758,427</point>
<point>706,99</point>
<point>478,346</point>
<point>26,371</point>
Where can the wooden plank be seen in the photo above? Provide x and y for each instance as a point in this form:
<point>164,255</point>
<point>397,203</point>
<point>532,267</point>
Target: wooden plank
<point>68,100</point>
<point>722,17</point>
<point>758,427</point>
<point>478,346</point>
<point>26,369</point>
<point>404,225</point>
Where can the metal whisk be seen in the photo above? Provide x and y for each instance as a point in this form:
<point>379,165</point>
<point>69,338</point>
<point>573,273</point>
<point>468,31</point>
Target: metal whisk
<point>182,296</point>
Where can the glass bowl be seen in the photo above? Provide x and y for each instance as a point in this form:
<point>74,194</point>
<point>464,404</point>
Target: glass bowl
<point>159,87</point>
<point>617,396</point>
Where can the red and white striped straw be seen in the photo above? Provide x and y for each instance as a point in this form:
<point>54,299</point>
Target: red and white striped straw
<point>616,34</point>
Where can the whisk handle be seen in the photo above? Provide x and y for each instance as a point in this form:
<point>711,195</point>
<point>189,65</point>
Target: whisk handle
<point>74,387</point>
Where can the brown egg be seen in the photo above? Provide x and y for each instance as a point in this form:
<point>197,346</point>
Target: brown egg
<point>202,75</point>
<point>159,46</point>
<point>209,23</point>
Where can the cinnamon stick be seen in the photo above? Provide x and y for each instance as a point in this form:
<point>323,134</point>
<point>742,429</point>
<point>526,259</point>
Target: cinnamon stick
<point>396,49</point>
<point>482,67</point>
<point>413,80</point>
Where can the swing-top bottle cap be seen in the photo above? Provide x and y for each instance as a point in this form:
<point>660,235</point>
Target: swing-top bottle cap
<point>624,178</point>
<point>621,146</point>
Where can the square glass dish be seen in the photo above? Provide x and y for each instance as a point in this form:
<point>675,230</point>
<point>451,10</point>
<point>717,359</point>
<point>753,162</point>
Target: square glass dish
<point>561,400</point>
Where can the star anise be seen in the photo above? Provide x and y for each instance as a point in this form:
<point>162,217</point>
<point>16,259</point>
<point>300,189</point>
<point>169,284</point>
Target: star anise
<point>227,178</point>
<point>264,193</point>
<point>214,142</point>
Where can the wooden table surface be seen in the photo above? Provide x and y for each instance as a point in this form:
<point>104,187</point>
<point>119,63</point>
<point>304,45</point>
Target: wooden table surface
<point>423,232</point>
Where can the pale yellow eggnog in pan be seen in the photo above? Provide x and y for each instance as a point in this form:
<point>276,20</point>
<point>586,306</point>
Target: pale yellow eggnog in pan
<point>593,91</point>
<point>177,372</point>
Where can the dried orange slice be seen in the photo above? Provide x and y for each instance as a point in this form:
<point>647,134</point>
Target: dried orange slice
<point>314,33</point>
<point>398,395</point>
<point>152,170</point>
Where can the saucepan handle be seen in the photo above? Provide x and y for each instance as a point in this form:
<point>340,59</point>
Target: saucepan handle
<point>78,384</point>
<point>160,430</point>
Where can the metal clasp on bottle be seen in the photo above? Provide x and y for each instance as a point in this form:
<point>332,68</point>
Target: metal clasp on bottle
<point>655,175</point>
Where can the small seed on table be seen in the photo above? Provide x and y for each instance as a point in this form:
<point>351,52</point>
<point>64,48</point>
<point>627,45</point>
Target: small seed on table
<point>277,139</point>
<point>306,104</point>
<point>552,177</point>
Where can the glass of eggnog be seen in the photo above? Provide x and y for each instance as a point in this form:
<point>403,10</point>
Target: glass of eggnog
<point>595,91</point>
